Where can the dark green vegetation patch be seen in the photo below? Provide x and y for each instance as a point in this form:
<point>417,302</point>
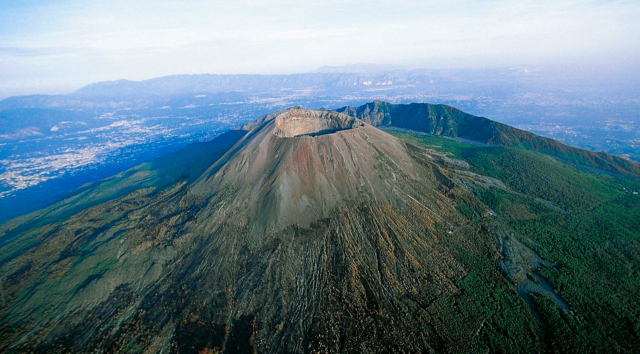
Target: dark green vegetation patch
<point>592,238</point>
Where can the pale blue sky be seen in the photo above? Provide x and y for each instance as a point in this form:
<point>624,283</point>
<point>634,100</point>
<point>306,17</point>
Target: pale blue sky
<point>58,46</point>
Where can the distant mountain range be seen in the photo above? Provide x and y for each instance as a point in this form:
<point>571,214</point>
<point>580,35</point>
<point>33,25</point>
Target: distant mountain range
<point>213,83</point>
<point>316,231</point>
<point>577,109</point>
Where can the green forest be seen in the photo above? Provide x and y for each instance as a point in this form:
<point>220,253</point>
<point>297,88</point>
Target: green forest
<point>590,239</point>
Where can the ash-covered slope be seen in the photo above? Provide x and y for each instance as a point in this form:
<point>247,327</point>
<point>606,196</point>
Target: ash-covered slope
<point>298,167</point>
<point>314,231</point>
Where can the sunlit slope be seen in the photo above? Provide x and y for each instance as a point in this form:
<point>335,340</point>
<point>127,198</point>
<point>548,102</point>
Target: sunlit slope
<point>448,121</point>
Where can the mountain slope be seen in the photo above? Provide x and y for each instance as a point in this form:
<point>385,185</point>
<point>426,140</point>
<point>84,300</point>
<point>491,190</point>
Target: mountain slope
<point>308,229</point>
<point>448,121</point>
<point>312,231</point>
<point>587,238</point>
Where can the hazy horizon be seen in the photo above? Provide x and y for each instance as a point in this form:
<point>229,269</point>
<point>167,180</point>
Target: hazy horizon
<point>58,46</point>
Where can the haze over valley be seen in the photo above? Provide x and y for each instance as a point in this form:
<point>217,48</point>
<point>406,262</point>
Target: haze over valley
<point>53,144</point>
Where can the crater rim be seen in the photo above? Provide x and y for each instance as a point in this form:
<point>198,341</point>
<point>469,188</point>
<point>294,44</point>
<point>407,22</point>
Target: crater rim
<point>312,123</point>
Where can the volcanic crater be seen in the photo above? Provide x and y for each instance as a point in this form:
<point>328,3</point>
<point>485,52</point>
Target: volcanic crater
<point>303,122</point>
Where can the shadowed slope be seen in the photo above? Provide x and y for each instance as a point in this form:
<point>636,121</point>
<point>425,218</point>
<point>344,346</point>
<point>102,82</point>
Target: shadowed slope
<point>184,165</point>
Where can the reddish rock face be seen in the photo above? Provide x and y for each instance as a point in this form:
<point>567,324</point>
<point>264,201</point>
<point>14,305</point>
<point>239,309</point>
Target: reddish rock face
<point>297,167</point>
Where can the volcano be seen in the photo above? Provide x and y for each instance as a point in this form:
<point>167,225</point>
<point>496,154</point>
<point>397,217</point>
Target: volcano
<point>304,231</point>
<point>300,166</point>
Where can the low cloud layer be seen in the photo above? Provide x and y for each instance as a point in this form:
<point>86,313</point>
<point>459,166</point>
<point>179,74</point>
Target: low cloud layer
<point>58,45</point>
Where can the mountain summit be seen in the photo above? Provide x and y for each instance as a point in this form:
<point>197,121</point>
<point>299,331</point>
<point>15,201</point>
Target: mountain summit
<point>304,231</point>
<point>301,165</point>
